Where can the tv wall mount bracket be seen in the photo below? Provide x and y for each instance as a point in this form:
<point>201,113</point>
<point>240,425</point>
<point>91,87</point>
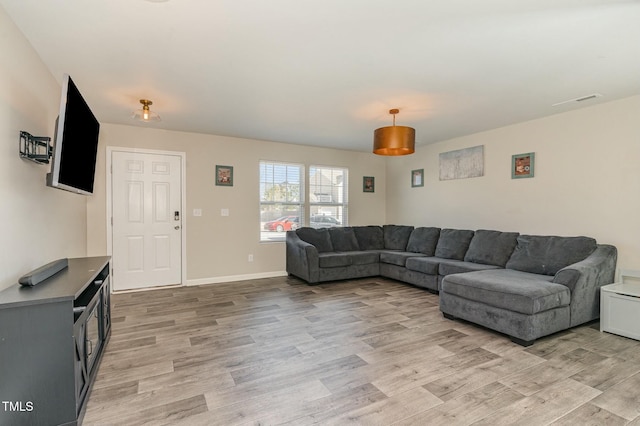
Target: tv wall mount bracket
<point>35,148</point>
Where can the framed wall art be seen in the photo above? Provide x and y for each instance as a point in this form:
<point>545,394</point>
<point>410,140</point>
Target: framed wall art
<point>224,175</point>
<point>462,163</point>
<point>522,165</point>
<point>417,178</point>
<point>368,184</point>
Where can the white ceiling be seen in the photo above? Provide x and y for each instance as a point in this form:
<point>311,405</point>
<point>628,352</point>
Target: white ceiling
<point>326,72</point>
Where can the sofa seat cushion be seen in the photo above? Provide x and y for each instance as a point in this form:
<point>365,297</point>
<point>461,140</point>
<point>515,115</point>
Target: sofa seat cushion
<point>364,257</point>
<point>333,260</point>
<point>398,257</point>
<point>451,266</point>
<point>516,291</point>
<point>546,255</point>
<point>440,266</point>
<point>426,265</point>
<point>341,259</point>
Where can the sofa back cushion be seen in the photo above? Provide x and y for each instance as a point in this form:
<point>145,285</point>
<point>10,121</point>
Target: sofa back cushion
<point>546,255</point>
<point>317,237</point>
<point>396,237</point>
<point>491,247</point>
<point>369,237</point>
<point>453,243</point>
<point>423,240</point>
<point>343,239</point>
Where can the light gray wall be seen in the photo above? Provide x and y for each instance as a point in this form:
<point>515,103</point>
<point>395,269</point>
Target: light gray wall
<point>586,180</point>
<point>217,246</point>
<point>38,224</point>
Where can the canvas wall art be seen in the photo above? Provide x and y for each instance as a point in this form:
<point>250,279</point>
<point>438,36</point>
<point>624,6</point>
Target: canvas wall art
<point>462,163</point>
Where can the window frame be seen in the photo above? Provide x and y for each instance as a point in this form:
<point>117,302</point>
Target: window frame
<point>338,193</point>
<point>267,236</point>
<point>335,198</point>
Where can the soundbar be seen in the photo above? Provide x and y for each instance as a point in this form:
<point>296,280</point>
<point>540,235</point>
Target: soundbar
<point>42,273</point>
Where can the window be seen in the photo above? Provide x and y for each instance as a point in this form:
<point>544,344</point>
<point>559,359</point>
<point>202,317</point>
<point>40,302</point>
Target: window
<point>328,196</point>
<point>281,199</point>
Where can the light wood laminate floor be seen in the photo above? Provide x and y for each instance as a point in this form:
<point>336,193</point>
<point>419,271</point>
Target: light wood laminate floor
<point>368,352</point>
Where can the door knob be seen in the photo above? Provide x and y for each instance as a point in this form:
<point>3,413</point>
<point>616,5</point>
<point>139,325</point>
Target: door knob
<point>176,227</point>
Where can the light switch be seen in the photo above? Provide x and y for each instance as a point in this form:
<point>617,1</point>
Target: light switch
<point>197,212</point>
<point>224,212</point>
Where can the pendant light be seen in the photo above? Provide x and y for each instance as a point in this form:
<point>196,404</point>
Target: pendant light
<point>394,140</point>
<point>145,114</point>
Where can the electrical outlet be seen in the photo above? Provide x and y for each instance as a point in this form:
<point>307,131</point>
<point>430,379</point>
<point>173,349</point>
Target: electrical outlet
<point>250,258</point>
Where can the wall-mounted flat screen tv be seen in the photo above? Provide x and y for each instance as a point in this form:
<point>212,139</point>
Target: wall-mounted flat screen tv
<point>76,143</point>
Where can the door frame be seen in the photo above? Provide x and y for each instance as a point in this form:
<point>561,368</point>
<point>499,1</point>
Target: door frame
<point>183,204</point>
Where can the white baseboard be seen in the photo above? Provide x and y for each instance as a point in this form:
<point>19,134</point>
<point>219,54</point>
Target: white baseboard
<point>231,278</point>
<point>136,290</point>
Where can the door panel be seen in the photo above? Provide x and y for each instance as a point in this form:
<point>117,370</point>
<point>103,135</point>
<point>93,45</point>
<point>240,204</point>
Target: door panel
<point>147,236</point>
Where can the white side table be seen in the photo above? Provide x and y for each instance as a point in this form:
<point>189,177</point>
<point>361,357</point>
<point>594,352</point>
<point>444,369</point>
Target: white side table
<point>620,306</point>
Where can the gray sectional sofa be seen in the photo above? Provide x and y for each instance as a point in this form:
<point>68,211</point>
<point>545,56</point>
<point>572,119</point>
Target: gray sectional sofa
<point>525,286</point>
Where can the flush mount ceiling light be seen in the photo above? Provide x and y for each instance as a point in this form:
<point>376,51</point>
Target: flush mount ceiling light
<point>145,114</point>
<point>394,140</point>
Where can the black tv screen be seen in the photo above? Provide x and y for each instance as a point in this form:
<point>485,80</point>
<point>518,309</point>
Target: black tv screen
<point>75,144</point>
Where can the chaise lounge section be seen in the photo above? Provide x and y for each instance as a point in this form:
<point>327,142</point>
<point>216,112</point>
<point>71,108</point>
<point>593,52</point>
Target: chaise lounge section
<point>549,284</point>
<point>525,286</point>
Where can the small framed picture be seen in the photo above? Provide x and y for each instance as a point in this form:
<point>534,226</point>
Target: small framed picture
<point>417,178</point>
<point>522,165</point>
<point>224,175</point>
<point>368,184</point>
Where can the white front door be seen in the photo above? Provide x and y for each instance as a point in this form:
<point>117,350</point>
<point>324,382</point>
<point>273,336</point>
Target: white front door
<point>147,219</point>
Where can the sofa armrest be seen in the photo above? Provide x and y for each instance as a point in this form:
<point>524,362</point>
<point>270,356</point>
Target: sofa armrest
<point>585,278</point>
<point>302,258</point>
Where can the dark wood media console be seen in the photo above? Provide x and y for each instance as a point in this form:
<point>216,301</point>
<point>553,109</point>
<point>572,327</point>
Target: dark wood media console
<point>52,337</point>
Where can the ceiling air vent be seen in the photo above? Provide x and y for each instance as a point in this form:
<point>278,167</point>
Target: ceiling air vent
<point>580,99</point>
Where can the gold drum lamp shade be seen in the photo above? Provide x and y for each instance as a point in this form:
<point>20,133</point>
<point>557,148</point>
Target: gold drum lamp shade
<point>394,140</point>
